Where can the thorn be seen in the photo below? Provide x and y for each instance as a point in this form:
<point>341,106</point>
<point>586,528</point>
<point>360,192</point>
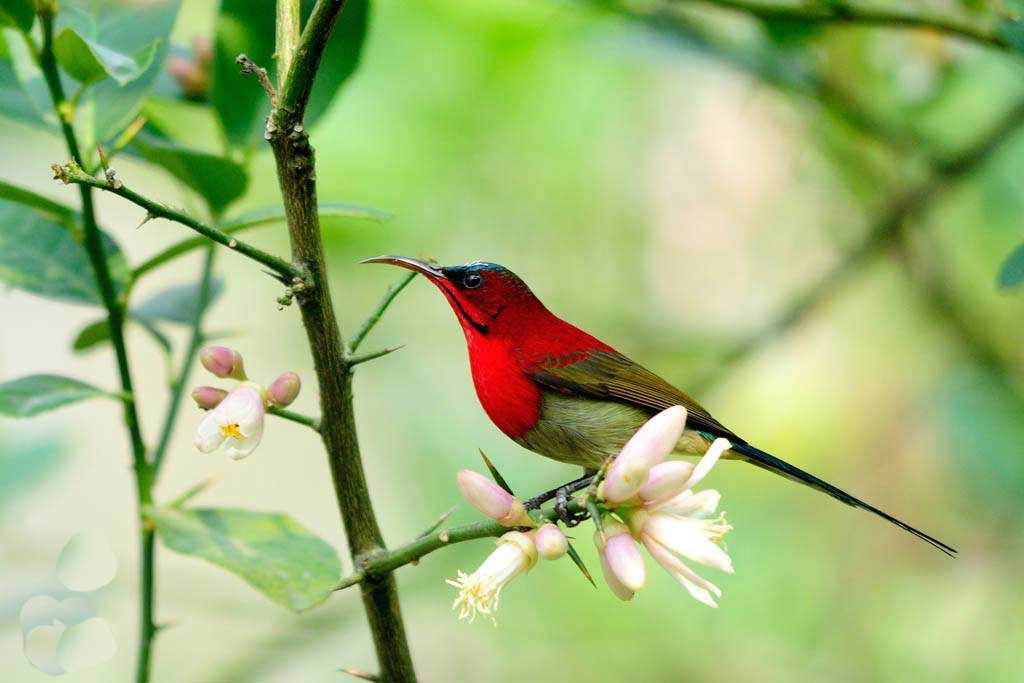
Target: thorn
<point>354,673</point>
<point>145,219</point>
<point>373,355</point>
<point>437,522</point>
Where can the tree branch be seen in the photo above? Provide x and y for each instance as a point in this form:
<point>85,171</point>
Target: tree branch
<point>296,175</point>
<point>73,173</point>
<point>846,14</point>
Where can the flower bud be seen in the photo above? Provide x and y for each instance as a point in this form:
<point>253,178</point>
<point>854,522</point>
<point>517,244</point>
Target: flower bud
<point>623,557</point>
<point>222,362</point>
<point>284,389</point>
<point>666,480</point>
<point>551,542</point>
<point>208,398</point>
<point>648,447</point>
<point>491,499</point>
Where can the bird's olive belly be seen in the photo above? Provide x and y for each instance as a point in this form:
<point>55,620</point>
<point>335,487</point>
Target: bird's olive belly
<point>585,432</point>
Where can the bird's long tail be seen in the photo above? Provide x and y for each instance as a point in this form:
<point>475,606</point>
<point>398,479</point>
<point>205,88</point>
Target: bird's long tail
<point>769,462</point>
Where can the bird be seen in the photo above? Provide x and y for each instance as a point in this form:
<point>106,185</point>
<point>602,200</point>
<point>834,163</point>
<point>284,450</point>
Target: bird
<point>564,394</point>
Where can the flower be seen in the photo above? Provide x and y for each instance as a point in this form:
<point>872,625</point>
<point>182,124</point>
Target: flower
<point>283,390</point>
<point>620,558</point>
<point>236,421</point>
<point>645,449</point>
<point>208,398</point>
<point>681,527</point>
<point>480,591</point>
<point>222,362</point>
<point>551,542</point>
<point>492,500</point>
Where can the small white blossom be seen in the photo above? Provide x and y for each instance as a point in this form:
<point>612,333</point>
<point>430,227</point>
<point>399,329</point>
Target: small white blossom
<point>236,422</point>
<point>480,591</point>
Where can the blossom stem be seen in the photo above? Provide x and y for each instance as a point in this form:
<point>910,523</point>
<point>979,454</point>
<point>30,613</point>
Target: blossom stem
<point>307,420</point>
<point>384,563</point>
<point>187,361</point>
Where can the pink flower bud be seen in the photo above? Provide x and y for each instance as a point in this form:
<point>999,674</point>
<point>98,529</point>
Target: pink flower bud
<point>222,362</point>
<point>208,398</point>
<point>551,542</point>
<point>648,447</point>
<point>491,499</point>
<point>284,389</point>
<point>623,556</point>
<point>666,480</point>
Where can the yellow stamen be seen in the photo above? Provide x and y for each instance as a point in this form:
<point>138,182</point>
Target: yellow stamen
<point>231,430</point>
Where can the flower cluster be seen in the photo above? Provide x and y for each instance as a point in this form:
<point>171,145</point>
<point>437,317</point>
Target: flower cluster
<point>235,417</point>
<point>651,502</point>
<point>516,553</point>
<point>643,500</point>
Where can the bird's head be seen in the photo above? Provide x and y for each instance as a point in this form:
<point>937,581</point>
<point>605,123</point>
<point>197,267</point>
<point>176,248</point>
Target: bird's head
<point>487,298</point>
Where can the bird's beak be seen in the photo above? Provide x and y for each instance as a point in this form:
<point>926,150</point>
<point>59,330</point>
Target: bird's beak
<point>422,267</point>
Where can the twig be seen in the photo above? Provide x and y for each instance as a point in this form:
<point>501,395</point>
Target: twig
<point>311,422</point>
<point>250,67</point>
<point>288,27</point>
<point>356,360</point>
<point>73,173</point>
<point>312,43</point>
<point>188,359</point>
<point>389,296</point>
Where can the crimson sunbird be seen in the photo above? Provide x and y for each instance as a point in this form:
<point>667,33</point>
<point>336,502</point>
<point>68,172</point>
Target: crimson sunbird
<point>562,393</point>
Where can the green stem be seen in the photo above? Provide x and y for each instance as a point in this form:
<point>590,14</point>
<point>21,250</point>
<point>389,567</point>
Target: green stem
<point>311,422</point>
<point>285,270</point>
<point>288,25</point>
<point>115,315</point>
<point>389,296</point>
<point>188,359</point>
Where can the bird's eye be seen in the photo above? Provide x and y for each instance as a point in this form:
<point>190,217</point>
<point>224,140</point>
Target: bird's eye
<point>472,281</point>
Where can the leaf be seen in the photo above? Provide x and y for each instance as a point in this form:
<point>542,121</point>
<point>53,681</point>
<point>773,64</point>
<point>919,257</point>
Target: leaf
<point>20,13</point>
<point>218,180</point>
<point>25,462</point>
<point>1012,31</point>
<point>176,304</point>
<point>1011,273</point>
<point>248,26</point>
<point>108,106</point>
<point>88,62</point>
<point>328,212</point>
<point>23,93</point>
<point>42,256</point>
<point>35,394</point>
<point>59,212</point>
<point>96,333</point>
<point>270,551</point>
<point>792,32</point>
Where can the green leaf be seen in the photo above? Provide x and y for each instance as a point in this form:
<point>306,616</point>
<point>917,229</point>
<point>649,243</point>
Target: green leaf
<point>176,304</point>
<point>329,213</point>
<point>96,333</point>
<point>25,462</point>
<point>1012,31</point>
<point>109,106</point>
<point>786,32</point>
<point>35,394</point>
<point>1011,273</point>
<point>248,26</point>
<point>59,212</point>
<point>41,255</point>
<point>23,93</point>
<point>270,551</point>
<point>218,180</point>
<point>20,13</point>
<point>88,62</point>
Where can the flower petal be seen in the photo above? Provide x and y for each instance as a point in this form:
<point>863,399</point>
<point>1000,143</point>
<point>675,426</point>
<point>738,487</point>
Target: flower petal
<point>689,504</point>
<point>699,588</point>
<point>620,591</point>
<point>689,538</point>
<point>711,456</point>
<point>208,435</point>
<point>625,561</point>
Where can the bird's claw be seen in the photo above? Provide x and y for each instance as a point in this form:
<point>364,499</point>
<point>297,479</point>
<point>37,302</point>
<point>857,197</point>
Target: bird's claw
<point>569,519</point>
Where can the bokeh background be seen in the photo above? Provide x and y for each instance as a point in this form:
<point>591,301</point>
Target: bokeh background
<point>675,180</point>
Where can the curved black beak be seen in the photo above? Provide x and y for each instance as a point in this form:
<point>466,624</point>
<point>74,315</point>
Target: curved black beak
<point>413,264</point>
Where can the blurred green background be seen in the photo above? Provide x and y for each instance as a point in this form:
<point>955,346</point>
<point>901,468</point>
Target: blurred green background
<point>651,188</point>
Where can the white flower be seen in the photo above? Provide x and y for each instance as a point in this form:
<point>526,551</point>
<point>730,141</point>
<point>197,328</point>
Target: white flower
<point>645,449</point>
<point>682,528</point>
<point>479,592</point>
<point>237,421</point>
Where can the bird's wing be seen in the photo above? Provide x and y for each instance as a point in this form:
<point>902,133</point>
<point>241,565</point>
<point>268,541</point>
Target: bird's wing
<point>608,375</point>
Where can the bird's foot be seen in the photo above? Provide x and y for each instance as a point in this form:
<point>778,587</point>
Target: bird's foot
<point>571,487</point>
<point>570,519</point>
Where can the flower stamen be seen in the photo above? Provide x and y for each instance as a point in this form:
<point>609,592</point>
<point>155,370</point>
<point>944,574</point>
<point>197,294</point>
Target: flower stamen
<point>232,431</point>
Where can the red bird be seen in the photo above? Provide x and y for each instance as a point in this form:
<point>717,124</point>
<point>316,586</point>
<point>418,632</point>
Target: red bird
<point>558,391</point>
